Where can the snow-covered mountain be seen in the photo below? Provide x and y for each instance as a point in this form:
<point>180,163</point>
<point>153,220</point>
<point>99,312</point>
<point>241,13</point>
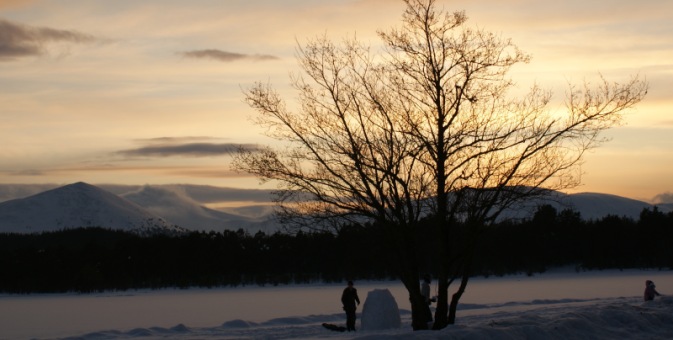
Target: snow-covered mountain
<point>184,211</point>
<point>164,207</point>
<point>591,206</point>
<point>179,205</point>
<point>77,205</point>
<point>595,205</point>
<point>666,207</point>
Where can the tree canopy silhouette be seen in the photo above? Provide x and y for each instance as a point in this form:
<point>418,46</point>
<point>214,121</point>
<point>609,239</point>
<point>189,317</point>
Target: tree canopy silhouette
<point>423,134</point>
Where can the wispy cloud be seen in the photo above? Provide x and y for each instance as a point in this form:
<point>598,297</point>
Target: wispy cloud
<point>18,40</point>
<point>225,56</point>
<point>184,146</point>
<point>27,172</point>
<point>174,140</point>
<point>666,197</point>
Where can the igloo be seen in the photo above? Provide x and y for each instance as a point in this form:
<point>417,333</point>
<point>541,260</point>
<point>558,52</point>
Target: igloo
<point>380,311</point>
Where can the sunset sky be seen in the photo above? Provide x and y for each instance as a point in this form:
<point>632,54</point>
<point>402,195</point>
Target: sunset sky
<point>150,92</point>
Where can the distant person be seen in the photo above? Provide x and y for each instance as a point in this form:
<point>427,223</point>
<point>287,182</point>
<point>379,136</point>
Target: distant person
<point>650,291</point>
<point>349,298</point>
<point>425,291</point>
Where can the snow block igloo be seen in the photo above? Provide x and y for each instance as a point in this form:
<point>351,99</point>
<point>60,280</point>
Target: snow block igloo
<point>380,311</point>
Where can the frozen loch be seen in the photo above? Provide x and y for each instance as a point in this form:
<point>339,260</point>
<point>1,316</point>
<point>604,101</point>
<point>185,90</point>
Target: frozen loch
<point>561,304</point>
<point>380,311</point>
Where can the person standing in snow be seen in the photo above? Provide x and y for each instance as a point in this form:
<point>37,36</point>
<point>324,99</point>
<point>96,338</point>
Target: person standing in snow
<point>650,291</point>
<point>349,298</point>
<point>425,291</point>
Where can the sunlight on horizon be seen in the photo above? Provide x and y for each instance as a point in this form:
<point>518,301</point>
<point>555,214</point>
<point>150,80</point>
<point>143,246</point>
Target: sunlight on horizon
<point>117,73</point>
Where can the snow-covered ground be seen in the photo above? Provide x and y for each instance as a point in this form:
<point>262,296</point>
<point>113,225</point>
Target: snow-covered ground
<point>555,305</point>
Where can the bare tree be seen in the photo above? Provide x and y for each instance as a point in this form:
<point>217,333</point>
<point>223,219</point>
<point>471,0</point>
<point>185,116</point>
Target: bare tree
<point>426,128</point>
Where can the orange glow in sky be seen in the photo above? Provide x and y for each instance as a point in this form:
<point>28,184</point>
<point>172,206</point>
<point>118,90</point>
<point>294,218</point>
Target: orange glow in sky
<point>149,92</point>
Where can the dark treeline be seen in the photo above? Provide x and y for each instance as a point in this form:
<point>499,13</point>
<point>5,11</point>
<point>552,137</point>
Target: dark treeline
<point>95,259</point>
<point>552,239</point>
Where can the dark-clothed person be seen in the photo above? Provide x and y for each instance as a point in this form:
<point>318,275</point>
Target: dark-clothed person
<point>350,301</point>
<point>650,291</point>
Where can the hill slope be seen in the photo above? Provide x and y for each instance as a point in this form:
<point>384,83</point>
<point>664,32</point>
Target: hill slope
<point>181,209</point>
<point>150,206</point>
<point>596,206</point>
<point>591,206</point>
<point>77,205</point>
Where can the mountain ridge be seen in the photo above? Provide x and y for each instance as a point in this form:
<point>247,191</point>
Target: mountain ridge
<point>180,207</point>
<point>184,211</point>
<point>77,205</point>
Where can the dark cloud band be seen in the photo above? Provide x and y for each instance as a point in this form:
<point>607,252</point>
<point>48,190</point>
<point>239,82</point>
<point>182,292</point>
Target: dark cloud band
<point>189,149</point>
<point>17,40</point>
<point>225,56</point>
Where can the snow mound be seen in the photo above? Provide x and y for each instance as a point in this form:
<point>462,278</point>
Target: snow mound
<point>619,318</point>
<point>380,311</point>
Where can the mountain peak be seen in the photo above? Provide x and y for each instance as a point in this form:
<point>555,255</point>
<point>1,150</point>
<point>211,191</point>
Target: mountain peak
<point>77,205</point>
<point>79,185</point>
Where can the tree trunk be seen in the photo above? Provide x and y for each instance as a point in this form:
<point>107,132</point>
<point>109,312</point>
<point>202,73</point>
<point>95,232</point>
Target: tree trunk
<point>419,319</point>
<point>443,280</point>
<point>419,314</point>
<point>465,275</point>
<point>441,311</point>
<point>457,295</point>
<point>410,276</point>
